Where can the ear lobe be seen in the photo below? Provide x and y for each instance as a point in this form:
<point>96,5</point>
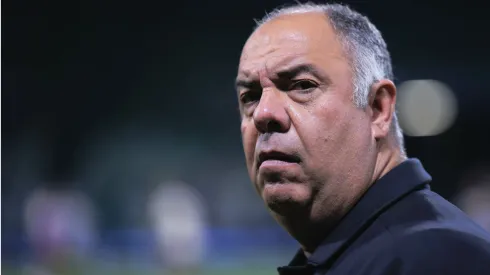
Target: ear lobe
<point>382,104</point>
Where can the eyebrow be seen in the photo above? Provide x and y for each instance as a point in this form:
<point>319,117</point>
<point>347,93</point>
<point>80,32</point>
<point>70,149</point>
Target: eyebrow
<point>288,72</point>
<point>242,83</point>
<point>295,70</point>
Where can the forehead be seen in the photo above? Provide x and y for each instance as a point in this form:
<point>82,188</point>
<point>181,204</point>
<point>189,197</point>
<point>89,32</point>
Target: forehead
<point>287,38</point>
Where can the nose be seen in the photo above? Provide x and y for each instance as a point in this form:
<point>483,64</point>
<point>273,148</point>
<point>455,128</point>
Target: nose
<point>270,114</point>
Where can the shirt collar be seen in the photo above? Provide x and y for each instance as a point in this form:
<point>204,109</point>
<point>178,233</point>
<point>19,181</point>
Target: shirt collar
<point>386,191</point>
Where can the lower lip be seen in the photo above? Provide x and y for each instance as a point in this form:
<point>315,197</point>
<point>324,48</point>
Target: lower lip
<point>277,164</point>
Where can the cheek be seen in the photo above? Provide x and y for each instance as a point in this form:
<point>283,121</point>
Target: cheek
<point>346,137</point>
<point>333,132</point>
<point>249,139</point>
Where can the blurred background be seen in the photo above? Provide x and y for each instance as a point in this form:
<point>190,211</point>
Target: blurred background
<point>121,149</point>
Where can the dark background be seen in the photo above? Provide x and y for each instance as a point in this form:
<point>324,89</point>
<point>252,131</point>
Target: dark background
<point>110,97</point>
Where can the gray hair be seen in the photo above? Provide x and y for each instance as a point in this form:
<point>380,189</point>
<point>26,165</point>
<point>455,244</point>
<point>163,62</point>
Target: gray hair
<point>363,43</point>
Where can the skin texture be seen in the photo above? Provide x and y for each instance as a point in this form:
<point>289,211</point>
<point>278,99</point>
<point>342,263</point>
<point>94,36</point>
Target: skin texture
<point>295,95</point>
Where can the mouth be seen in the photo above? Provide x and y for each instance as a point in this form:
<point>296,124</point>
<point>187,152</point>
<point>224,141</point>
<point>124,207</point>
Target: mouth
<point>277,157</point>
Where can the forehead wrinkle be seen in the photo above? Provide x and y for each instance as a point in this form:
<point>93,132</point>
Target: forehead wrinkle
<point>271,68</point>
<point>272,60</point>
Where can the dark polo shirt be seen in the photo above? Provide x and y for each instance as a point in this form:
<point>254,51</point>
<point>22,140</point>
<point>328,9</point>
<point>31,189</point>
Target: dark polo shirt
<point>400,227</point>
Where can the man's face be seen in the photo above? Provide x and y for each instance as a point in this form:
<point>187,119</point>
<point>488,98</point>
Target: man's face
<point>307,146</point>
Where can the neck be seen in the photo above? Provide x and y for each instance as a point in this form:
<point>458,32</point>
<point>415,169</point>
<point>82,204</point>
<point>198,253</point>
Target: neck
<point>389,156</point>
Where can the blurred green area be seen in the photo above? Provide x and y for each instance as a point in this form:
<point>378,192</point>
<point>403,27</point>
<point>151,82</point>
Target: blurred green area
<point>264,262</point>
<point>96,270</point>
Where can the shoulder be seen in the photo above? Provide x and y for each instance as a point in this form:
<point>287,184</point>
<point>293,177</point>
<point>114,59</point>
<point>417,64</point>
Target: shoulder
<point>442,250</point>
<point>441,237</point>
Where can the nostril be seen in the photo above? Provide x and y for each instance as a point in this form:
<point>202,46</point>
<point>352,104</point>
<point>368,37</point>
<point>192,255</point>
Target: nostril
<point>273,126</point>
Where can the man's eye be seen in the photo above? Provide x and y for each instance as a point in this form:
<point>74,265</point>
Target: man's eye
<point>250,97</point>
<point>303,85</point>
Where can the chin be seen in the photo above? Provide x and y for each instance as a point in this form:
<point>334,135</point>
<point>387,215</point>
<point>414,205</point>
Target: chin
<point>284,198</point>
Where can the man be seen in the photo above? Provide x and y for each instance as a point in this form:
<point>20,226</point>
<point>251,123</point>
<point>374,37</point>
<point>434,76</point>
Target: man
<point>325,152</point>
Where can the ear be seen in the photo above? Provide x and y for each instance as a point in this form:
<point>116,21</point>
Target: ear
<point>382,105</point>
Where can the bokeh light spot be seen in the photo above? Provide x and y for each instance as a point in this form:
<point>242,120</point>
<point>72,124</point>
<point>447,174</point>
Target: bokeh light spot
<point>426,107</point>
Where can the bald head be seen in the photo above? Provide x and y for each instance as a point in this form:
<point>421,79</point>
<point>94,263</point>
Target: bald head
<point>293,31</point>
